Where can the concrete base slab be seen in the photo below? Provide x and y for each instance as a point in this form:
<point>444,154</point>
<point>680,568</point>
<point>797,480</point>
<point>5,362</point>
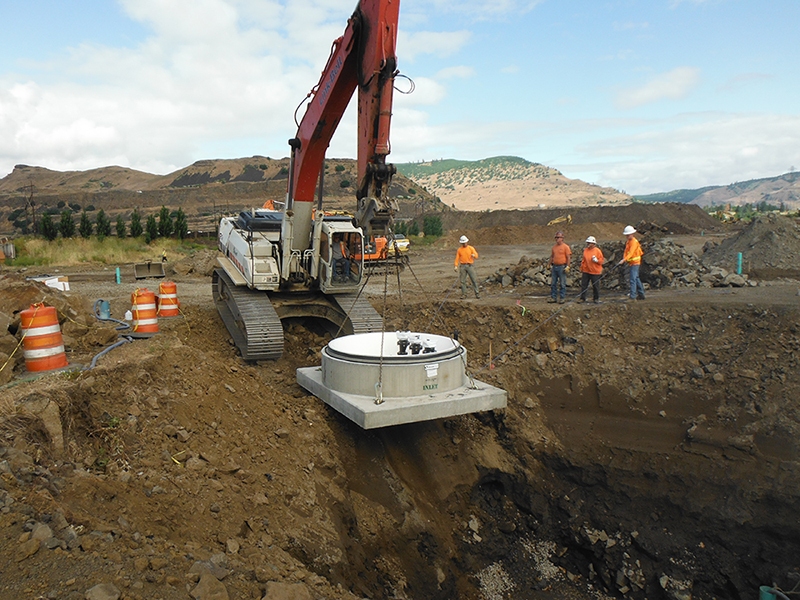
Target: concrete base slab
<point>363,411</point>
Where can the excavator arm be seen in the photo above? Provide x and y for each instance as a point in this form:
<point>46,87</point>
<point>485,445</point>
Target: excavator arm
<point>364,59</point>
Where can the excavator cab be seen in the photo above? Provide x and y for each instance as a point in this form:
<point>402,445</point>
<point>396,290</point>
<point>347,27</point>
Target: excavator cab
<point>341,257</point>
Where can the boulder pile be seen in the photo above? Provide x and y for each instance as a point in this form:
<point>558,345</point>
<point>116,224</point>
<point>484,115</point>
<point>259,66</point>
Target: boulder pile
<point>665,264</point>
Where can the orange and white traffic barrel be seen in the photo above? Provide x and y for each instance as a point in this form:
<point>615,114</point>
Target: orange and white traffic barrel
<point>42,343</point>
<point>168,299</point>
<point>145,319</point>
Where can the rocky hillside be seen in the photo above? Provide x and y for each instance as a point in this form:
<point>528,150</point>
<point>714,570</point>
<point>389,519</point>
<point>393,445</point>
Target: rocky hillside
<point>782,190</point>
<point>506,182</point>
<point>204,190</point>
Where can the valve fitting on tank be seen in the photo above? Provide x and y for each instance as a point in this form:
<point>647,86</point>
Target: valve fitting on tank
<point>402,342</point>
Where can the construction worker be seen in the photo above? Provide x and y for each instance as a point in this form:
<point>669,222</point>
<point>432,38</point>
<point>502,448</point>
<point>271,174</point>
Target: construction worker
<point>560,255</point>
<point>465,256</point>
<point>633,257</point>
<point>341,258</point>
<point>163,256</point>
<point>591,269</point>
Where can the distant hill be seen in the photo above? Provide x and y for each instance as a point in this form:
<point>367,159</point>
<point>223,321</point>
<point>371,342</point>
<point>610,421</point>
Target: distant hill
<point>205,190</point>
<point>506,182</point>
<point>781,190</point>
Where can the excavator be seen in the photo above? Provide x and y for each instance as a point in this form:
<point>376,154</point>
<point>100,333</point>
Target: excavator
<point>298,262</point>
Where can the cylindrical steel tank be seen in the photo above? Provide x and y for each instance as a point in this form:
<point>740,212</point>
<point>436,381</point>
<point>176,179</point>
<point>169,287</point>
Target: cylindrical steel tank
<point>406,364</point>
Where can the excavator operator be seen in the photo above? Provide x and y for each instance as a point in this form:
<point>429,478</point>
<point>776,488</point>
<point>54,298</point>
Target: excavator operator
<point>341,259</point>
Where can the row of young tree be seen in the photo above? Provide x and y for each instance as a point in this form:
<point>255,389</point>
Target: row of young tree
<point>166,225</point>
<point>431,226</point>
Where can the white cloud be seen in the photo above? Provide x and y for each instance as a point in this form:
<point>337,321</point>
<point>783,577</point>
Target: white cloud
<point>200,80</point>
<point>673,85</point>
<point>439,43</point>
<point>457,72</point>
<point>744,80</point>
<point>484,10</point>
<point>691,151</point>
<point>427,92</point>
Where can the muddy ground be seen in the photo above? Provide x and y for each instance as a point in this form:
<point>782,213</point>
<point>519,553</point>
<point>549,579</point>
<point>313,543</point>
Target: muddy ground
<point>649,450</point>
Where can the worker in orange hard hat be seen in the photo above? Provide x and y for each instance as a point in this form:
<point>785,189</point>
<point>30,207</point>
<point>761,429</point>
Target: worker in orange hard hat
<point>633,257</point>
<point>465,257</point>
<point>560,255</point>
<point>591,269</point>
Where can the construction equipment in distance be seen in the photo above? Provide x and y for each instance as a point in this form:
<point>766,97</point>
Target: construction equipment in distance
<point>379,257</point>
<point>299,262</point>
<point>563,219</point>
<point>149,269</point>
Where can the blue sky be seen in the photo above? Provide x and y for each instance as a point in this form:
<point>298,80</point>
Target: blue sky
<point>640,95</point>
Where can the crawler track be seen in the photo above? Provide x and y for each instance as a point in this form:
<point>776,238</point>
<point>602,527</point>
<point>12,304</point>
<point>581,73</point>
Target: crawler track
<point>250,318</point>
<point>363,318</point>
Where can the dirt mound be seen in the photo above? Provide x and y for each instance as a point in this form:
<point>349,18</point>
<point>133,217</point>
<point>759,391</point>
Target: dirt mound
<point>671,218</point>
<point>769,244</point>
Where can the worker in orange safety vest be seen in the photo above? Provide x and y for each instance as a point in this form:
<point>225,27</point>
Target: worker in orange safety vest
<point>560,255</point>
<point>465,257</point>
<point>591,269</point>
<point>633,257</point>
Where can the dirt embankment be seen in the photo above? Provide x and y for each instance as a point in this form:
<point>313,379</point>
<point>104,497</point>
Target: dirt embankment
<point>672,218</point>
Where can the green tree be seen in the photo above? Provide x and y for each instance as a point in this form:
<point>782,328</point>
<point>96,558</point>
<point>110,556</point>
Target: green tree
<point>165,226</point>
<point>48,228</point>
<point>67,225</point>
<point>85,228</point>
<point>432,225</point>
<point>121,227</point>
<point>413,229</point>
<point>103,225</point>
<point>151,229</point>
<point>136,224</point>
<point>181,224</point>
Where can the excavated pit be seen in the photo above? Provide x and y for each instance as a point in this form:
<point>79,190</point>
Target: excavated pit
<point>647,451</point>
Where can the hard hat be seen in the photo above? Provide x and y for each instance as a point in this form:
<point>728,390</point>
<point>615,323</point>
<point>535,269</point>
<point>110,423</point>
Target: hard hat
<point>463,239</point>
<point>591,240</point>
<point>559,234</point>
<point>628,230</point>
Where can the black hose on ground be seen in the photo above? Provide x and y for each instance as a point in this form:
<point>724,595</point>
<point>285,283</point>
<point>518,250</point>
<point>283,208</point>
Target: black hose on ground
<point>119,343</point>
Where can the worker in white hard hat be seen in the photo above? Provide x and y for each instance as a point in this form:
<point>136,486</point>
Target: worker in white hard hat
<point>633,257</point>
<point>465,257</point>
<point>591,269</point>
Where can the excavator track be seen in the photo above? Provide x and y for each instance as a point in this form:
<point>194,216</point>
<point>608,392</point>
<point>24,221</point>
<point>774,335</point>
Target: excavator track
<point>363,317</point>
<point>249,317</point>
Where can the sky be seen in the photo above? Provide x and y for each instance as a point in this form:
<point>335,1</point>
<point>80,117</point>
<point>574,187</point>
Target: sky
<point>641,95</point>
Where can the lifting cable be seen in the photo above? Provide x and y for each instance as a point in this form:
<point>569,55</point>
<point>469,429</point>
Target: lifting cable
<point>436,314</point>
<point>379,384</point>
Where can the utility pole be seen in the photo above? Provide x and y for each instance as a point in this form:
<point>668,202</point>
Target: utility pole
<point>30,204</point>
